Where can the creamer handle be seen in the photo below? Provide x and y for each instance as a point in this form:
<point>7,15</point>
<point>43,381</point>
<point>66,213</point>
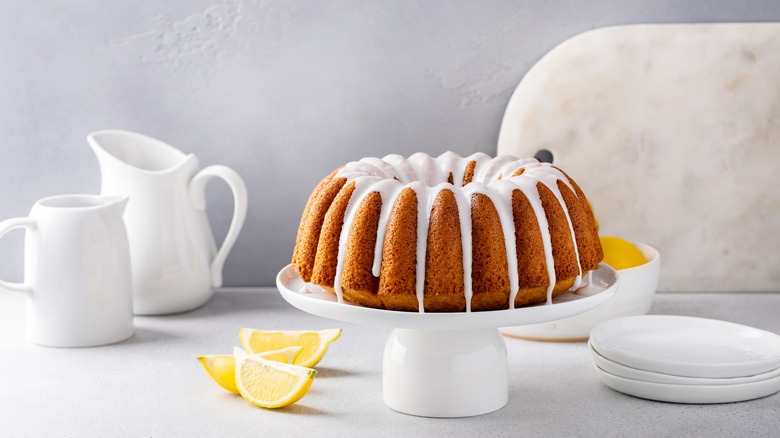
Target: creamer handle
<point>6,226</point>
<point>198,196</point>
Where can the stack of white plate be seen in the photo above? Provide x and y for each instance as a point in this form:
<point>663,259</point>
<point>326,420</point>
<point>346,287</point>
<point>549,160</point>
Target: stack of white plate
<point>683,359</point>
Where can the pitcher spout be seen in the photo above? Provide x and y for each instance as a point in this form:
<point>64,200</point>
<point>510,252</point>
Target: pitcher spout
<point>131,150</point>
<point>119,202</point>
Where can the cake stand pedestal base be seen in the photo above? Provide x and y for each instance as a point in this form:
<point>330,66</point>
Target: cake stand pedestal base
<point>445,373</point>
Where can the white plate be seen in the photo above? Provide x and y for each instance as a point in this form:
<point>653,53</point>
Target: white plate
<point>648,376</point>
<point>695,394</point>
<point>605,282</point>
<point>687,346</point>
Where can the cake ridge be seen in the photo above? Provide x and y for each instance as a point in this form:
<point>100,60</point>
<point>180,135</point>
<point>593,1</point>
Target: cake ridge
<point>502,189</point>
<point>550,179</point>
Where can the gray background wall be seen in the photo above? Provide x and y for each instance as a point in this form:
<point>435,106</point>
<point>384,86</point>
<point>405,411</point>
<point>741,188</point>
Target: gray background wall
<point>282,91</point>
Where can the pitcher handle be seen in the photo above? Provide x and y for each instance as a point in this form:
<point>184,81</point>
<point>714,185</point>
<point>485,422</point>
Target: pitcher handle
<point>6,226</point>
<point>198,196</point>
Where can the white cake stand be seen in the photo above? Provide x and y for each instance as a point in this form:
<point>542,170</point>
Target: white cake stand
<point>446,364</point>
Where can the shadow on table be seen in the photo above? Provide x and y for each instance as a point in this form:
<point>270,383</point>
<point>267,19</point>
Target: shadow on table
<point>330,373</point>
<point>299,409</point>
<point>232,302</point>
<point>145,335</point>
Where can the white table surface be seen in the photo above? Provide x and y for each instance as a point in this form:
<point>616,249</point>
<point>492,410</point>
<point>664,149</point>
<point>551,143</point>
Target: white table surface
<point>151,385</point>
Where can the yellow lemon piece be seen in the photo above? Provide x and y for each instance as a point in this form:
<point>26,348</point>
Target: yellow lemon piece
<point>620,253</point>
<point>222,367</point>
<point>314,344</point>
<point>283,355</point>
<point>271,384</point>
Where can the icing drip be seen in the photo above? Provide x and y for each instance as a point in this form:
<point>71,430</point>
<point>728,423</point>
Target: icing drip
<point>382,167</point>
<point>363,187</point>
<point>425,169</point>
<point>388,191</point>
<point>425,197</point>
<point>527,185</point>
<point>464,211</point>
<point>450,162</point>
<point>549,176</point>
<point>501,191</point>
<point>427,177</point>
<point>403,170</point>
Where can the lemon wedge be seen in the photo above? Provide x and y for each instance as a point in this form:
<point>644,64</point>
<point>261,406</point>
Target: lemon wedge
<point>222,367</point>
<point>314,343</point>
<point>620,253</point>
<point>271,384</point>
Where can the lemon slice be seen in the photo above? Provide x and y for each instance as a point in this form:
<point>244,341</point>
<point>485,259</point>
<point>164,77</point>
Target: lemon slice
<point>222,367</point>
<point>620,253</point>
<point>314,344</point>
<point>271,384</point>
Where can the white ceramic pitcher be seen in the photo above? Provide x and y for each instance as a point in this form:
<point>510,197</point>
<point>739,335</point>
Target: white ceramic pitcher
<point>176,265</point>
<point>76,271</point>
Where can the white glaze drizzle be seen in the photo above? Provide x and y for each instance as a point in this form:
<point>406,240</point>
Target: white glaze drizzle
<point>404,171</point>
<point>452,163</point>
<point>550,179</point>
<point>427,177</point>
<point>464,211</point>
<point>389,191</point>
<point>423,223</point>
<point>425,169</point>
<point>363,187</point>
<point>527,185</point>
<point>501,191</point>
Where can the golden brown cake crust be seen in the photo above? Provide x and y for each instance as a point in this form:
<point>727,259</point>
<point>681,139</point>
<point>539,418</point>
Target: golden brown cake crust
<point>490,281</point>
<point>326,259</point>
<point>399,256</point>
<point>468,175</point>
<point>531,262</point>
<point>358,282</point>
<point>588,244</point>
<point>560,235</point>
<point>311,224</point>
<point>444,290</point>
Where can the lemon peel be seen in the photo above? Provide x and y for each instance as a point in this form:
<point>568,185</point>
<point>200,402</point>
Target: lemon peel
<point>222,367</point>
<point>620,253</point>
<point>314,343</point>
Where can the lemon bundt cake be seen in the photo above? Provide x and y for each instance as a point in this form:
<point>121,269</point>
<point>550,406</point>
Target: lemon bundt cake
<point>446,234</point>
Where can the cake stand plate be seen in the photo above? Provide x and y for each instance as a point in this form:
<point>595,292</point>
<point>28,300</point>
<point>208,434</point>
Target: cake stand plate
<point>446,364</point>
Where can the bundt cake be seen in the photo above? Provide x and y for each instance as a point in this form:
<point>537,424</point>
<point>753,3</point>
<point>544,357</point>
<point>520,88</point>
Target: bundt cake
<point>446,234</point>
